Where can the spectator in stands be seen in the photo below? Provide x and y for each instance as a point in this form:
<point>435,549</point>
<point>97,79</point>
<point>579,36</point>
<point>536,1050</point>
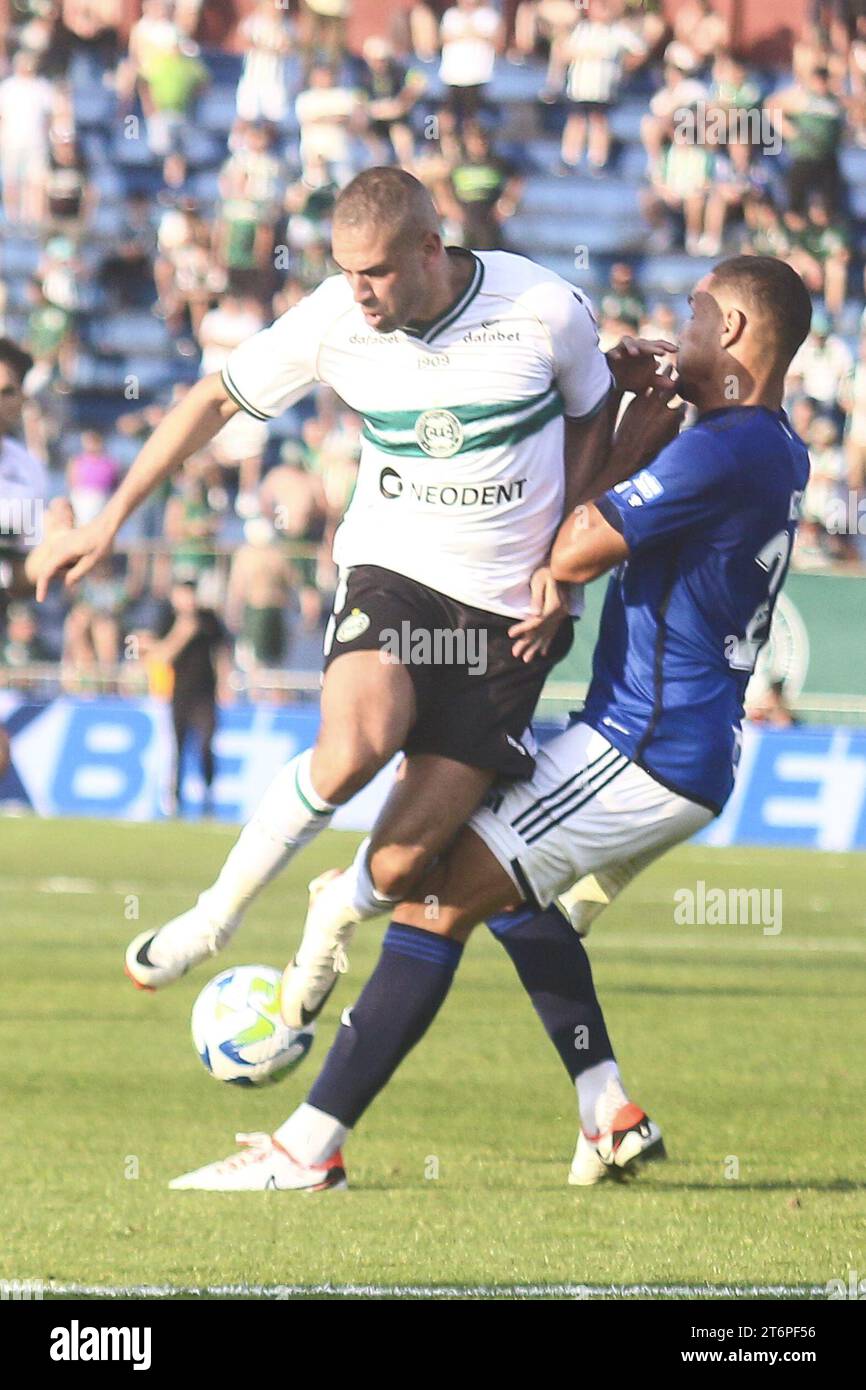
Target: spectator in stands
<point>764,232</point>
<point>853,402</point>
<point>486,190</point>
<point>661,322</point>
<point>185,272</point>
<point>737,173</point>
<point>621,306</point>
<point>50,337</point>
<point>825,498</point>
<point>681,91</point>
<point>821,252</point>
<point>547,25</point>
<point>154,34</point>
<point>392,91</point>
<point>601,52</point>
<point>71,197</point>
<point>174,78</point>
<point>681,186</point>
<point>856,104</point>
<point>733,87</point>
<point>28,104</point>
<point>268,38</point>
<point>822,363</point>
<point>309,202</point>
<point>328,115</point>
<point>471,36</point>
<point>61,272</point>
<point>811,121</point>
<point>241,443</point>
<point>292,497</point>
<point>250,185</point>
<point>290,293</point>
<point>22,645</point>
<point>91,476</point>
<point>433,163</point>
<point>324,27</point>
<point>190,524</point>
<point>313,263</point>
<point>91,633</point>
<point>698,26</point>
<point>261,584</point>
<point>127,270</point>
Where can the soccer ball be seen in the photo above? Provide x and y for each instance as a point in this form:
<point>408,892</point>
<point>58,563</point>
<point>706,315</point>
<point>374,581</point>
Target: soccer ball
<point>237,1030</point>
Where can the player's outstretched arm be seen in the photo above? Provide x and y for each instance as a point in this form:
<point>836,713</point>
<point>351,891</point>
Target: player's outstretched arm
<point>185,429</point>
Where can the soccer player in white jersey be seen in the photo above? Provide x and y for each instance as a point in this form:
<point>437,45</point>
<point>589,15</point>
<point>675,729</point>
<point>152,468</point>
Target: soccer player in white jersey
<point>698,544</point>
<point>488,410</point>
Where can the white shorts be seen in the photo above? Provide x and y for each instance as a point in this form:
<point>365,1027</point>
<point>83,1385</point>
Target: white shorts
<point>587,821</point>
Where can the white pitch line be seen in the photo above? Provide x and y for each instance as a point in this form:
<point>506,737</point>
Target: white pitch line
<point>575,1291</point>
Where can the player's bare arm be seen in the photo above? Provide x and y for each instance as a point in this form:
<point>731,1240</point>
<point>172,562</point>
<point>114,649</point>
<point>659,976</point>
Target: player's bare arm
<point>185,429</point>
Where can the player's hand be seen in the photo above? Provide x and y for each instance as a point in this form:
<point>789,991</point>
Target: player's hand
<point>549,606</point>
<point>70,551</point>
<point>651,420</point>
<point>634,362</point>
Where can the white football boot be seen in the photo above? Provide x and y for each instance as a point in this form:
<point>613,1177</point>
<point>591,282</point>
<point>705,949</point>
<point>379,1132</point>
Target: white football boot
<point>157,958</point>
<point>619,1152</point>
<point>321,957</point>
<point>263,1165</point>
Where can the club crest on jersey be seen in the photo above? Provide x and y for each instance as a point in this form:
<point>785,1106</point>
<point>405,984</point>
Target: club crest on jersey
<point>439,433</point>
<point>352,626</point>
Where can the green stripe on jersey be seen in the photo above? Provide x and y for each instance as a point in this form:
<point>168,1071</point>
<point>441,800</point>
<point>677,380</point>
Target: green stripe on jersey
<point>483,426</point>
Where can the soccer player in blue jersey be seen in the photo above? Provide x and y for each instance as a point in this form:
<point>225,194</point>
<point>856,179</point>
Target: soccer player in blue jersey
<point>699,544</point>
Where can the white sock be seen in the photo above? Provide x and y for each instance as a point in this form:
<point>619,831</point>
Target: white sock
<point>600,1094</point>
<point>311,1136</point>
<point>289,816</point>
<point>358,890</point>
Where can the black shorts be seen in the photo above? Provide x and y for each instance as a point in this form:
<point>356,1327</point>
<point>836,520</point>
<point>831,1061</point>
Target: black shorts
<point>475,700</point>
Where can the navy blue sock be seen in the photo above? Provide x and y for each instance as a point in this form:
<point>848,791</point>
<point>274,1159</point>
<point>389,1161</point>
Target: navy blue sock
<point>555,972</point>
<point>395,1008</point>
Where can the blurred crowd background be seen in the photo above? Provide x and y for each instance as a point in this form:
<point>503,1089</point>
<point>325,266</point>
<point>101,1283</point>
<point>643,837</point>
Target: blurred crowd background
<point>168,173</point>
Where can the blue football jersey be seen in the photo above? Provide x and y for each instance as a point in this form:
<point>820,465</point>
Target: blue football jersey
<point>710,525</point>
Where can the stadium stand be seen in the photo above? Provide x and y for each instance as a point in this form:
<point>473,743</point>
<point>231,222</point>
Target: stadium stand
<point>144,218</point>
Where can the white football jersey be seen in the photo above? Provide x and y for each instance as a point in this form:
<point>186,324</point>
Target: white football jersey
<point>461,479</point>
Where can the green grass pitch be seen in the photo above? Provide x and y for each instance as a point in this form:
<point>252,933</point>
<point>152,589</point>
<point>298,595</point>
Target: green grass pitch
<point>748,1049</point>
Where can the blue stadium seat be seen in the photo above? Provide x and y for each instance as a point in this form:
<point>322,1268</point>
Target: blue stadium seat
<point>516,83</point>
<point>625,119</point>
<point>19,256</point>
<point>94,106</point>
<point>216,110</point>
<point>129,330</point>
<point>853,164</point>
<point>224,68</point>
<point>675,273</point>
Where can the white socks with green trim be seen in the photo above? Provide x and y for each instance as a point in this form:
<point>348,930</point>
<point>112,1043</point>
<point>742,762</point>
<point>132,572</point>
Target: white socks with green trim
<point>289,816</point>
